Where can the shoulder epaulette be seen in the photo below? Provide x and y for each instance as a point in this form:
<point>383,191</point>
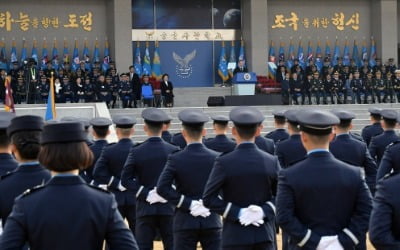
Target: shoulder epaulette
<point>32,190</point>
<point>6,175</point>
<point>393,143</point>
<point>390,174</point>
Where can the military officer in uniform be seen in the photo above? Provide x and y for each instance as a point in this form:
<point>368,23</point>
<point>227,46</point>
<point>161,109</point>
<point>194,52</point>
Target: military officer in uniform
<point>375,128</point>
<point>280,133</point>
<point>178,140</point>
<point>384,226</point>
<point>125,91</point>
<point>108,168</point>
<point>291,151</point>
<point>100,131</point>
<point>7,161</point>
<point>396,84</point>
<point>220,143</point>
<point>308,193</point>
<point>357,86</point>
<point>43,90</point>
<point>247,205</point>
<point>24,132</point>
<point>140,174</point>
<point>66,213</point>
<point>350,150</point>
<point>189,170</point>
<point>378,143</point>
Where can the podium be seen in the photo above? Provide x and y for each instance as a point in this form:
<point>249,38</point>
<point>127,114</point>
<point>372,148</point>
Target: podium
<point>244,83</point>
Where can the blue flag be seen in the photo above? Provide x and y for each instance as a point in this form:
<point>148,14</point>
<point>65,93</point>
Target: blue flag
<point>372,54</point>
<point>51,104</point>
<point>281,52</point>
<point>137,62</point>
<point>310,55</point>
<point>336,53</point>
<point>86,57</point>
<point>156,69</point>
<point>65,53</point>
<point>271,61</point>
<point>241,52</point>
<point>3,59</point>
<point>346,54</point>
<point>75,57</point>
<point>300,56</point>
<point>355,55</point>
<point>54,57</point>
<point>223,66</point>
<point>23,53</point>
<point>106,59</point>
<point>34,53</point>
<point>328,51</point>
<point>232,60</point>
<point>13,57</point>
<point>364,53</point>
<point>45,56</point>
<point>318,57</point>
<point>290,61</point>
<point>146,61</point>
<point>96,53</point>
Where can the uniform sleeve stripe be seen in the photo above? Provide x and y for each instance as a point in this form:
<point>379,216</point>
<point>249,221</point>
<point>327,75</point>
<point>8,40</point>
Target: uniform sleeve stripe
<point>111,180</point>
<point>180,201</point>
<point>272,206</point>
<point>351,235</point>
<point>228,207</point>
<point>139,191</point>
<point>305,239</point>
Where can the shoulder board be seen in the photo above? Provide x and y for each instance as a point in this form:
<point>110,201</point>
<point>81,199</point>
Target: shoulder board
<point>32,190</point>
<point>390,175</point>
<point>393,143</point>
<point>98,188</point>
<point>6,175</point>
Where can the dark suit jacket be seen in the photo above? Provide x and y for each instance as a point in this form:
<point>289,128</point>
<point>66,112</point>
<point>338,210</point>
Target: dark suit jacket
<point>16,182</point>
<point>7,164</point>
<point>324,195</point>
<point>221,143</point>
<point>384,226</point>
<point>108,170</point>
<point>66,214</point>
<point>164,88</point>
<point>189,170</point>
<point>245,176</point>
<point>238,70</point>
<point>355,152</point>
<point>136,85</point>
<point>142,169</point>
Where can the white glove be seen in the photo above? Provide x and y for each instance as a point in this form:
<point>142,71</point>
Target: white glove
<point>329,243</point>
<point>103,186</point>
<point>252,215</point>
<point>120,187</point>
<point>198,209</point>
<point>154,197</point>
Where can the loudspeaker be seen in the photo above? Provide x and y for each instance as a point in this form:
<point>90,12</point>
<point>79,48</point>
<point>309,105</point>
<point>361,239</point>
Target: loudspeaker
<point>214,101</point>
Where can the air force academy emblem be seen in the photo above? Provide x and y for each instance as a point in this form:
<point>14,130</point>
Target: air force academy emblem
<point>183,68</point>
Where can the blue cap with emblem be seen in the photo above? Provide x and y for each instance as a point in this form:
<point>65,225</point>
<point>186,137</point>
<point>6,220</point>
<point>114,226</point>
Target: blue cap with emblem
<point>245,115</point>
<point>25,123</point>
<point>63,132</point>
<point>291,116</point>
<point>220,119</point>
<point>316,122</point>
<point>193,116</point>
<point>124,121</point>
<point>155,115</point>
<point>343,115</point>
<point>389,114</point>
<point>100,122</point>
<point>279,114</point>
<point>374,111</point>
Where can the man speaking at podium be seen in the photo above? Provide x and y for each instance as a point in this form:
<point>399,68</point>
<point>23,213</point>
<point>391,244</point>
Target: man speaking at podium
<point>241,68</point>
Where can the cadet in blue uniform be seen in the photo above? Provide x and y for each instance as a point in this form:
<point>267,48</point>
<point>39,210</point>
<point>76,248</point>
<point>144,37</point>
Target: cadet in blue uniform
<point>378,143</point>
<point>291,151</point>
<point>178,140</point>
<point>375,128</point>
<point>246,178</point>
<point>189,170</point>
<point>322,201</point>
<point>7,161</point>
<point>43,88</point>
<point>24,132</point>
<point>265,144</point>
<point>280,133</point>
<point>108,168</point>
<point>166,135</point>
<point>66,213</point>
<point>100,127</point>
<point>350,150</point>
<point>384,226</point>
<point>221,143</point>
<point>140,174</point>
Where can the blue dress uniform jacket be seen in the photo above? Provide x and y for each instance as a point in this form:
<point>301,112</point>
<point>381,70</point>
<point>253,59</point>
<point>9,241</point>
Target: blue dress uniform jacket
<point>220,143</point>
<point>96,148</point>
<point>245,176</point>
<point>66,214</point>
<point>140,174</point>
<point>278,135</point>
<point>15,183</point>
<point>189,170</point>
<point>178,140</point>
<point>390,160</point>
<point>166,136</point>
<point>108,170</point>
<point>290,151</point>
<point>380,142</point>
<point>265,144</point>
<point>370,131</point>
<point>356,153</point>
<point>7,164</point>
<point>384,226</point>
<point>322,196</point>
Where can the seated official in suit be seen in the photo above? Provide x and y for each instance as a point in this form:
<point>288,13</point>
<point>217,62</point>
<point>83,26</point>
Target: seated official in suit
<point>66,213</point>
